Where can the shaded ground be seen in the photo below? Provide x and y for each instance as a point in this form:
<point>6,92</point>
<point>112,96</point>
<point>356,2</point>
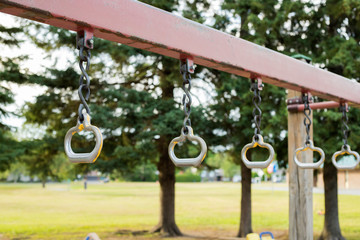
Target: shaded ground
<point>145,235</point>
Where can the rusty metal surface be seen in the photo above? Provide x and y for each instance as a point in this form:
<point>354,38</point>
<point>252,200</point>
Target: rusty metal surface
<point>142,26</point>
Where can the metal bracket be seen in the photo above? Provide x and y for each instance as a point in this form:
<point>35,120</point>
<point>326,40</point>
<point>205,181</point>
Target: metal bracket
<point>344,104</point>
<point>85,38</point>
<point>296,105</point>
<point>257,82</point>
<point>187,66</point>
<point>308,96</point>
<point>294,101</point>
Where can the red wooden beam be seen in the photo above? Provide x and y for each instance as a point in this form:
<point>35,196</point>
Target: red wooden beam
<point>142,26</point>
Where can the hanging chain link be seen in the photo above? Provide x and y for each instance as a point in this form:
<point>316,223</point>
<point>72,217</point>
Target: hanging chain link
<point>186,100</point>
<point>84,43</point>
<point>84,58</point>
<point>344,127</point>
<point>307,112</point>
<point>256,87</point>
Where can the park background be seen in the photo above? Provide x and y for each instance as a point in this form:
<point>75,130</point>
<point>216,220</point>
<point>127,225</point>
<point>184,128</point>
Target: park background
<point>136,100</point>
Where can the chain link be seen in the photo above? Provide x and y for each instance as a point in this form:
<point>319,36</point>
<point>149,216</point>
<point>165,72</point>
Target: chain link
<point>187,99</point>
<point>257,113</point>
<point>344,127</point>
<point>307,119</point>
<point>84,58</point>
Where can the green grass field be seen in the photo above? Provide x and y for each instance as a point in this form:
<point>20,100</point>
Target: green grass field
<point>114,210</point>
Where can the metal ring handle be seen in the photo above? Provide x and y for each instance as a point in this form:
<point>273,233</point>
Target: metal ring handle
<point>345,149</point>
<point>185,162</point>
<point>259,142</point>
<point>83,157</point>
<point>309,146</point>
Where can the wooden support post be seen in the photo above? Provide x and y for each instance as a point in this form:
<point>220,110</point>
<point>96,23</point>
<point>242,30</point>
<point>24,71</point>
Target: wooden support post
<point>300,180</point>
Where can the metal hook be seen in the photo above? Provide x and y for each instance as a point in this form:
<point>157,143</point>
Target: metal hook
<point>83,157</point>
<point>345,149</point>
<point>185,162</point>
<point>257,141</point>
<point>309,146</point>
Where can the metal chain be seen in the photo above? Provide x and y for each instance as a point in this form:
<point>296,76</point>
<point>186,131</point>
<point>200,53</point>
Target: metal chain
<point>344,127</point>
<point>257,113</point>
<point>186,100</point>
<point>307,119</point>
<point>84,57</point>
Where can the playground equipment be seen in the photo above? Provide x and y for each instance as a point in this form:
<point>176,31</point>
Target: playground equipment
<point>262,237</point>
<point>309,145</point>
<point>186,69</point>
<point>207,47</point>
<point>255,236</point>
<point>256,87</point>
<point>84,42</point>
<point>145,27</point>
<point>345,149</point>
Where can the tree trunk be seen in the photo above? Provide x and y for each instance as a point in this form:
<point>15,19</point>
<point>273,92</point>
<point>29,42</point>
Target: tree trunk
<point>245,214</point>
<point>315,181</point>
<point>43,182</point>
<point>331,229</point>
<point>166,225</point>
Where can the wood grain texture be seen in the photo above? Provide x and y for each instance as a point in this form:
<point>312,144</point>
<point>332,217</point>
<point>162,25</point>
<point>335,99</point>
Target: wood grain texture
<point>300,180</point>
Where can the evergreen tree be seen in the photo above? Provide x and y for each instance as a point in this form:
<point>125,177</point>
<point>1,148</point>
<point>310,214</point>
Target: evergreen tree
<point>10,149</point>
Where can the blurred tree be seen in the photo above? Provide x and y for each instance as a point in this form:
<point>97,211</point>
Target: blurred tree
<point>43,160</point>
<point>10,73</point>
<point>16,170</point>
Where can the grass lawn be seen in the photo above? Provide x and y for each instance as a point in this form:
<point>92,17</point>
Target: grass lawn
<point>115,210</point>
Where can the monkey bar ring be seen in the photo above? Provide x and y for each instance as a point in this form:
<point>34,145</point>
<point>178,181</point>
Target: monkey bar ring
<point>309,146</point>
<point>257,142</point>
<point>185,162</point>
<point>345,149</point>
<point>83,157</point>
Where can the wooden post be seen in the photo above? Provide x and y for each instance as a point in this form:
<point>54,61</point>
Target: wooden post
<point>300,180</point>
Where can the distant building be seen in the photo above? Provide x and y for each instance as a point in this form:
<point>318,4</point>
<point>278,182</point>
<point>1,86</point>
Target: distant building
<point>216,175</point>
